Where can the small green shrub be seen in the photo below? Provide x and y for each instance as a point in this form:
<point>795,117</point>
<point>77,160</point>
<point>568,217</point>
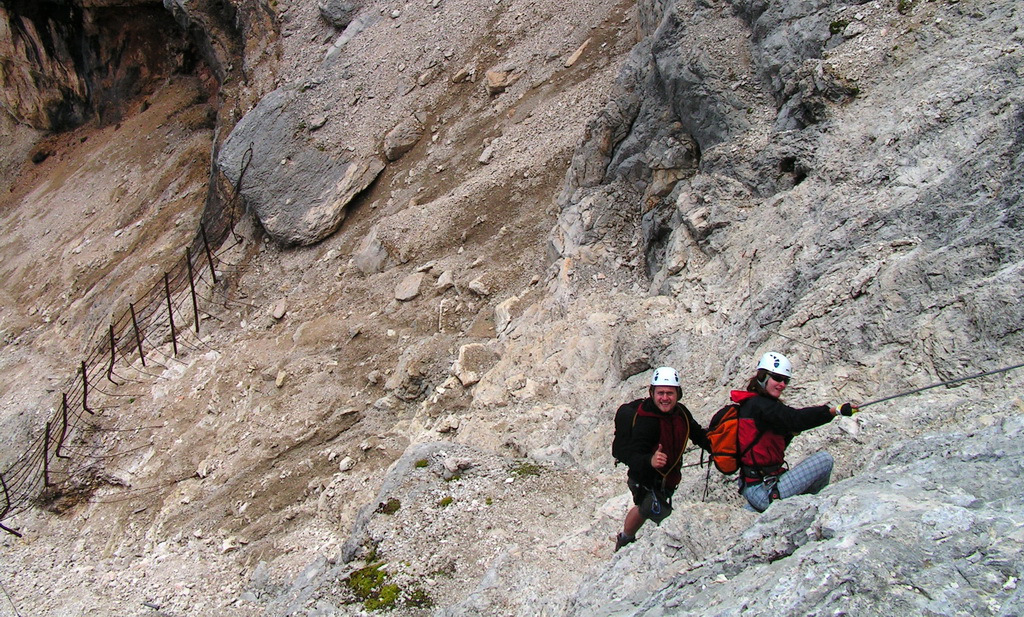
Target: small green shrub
<point>420,464</point>
<point>526,469</point>
<point>488,501</point>
<point>372,587</point>
<point>838,26</point>
<point>445,502</point>
<point>419,599</point>
<point>904,6</point>
<point>389,507</point>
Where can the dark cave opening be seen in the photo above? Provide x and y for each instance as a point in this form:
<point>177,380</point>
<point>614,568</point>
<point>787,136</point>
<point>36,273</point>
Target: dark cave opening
<point>66,65</point>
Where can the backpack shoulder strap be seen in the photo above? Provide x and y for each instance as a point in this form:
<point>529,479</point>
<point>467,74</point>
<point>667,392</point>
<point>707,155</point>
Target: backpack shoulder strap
<point>640,411</point>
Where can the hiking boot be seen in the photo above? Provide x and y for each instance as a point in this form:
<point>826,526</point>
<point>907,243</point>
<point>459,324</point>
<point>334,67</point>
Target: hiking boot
<point>621,540</point>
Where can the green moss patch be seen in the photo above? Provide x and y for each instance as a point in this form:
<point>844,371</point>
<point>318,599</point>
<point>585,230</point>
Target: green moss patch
<point>389,507</point>
<point>526,469</point>
<point>373,588</point>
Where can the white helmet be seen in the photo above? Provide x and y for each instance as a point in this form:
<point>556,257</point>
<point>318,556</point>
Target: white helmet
<point>774,362</point>
<point>665,376</point>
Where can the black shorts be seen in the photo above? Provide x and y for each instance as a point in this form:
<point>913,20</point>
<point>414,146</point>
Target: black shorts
<point>640,492</point>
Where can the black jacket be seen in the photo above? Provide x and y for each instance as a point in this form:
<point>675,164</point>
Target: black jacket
<point>771,424</point>
<point>647,435</point>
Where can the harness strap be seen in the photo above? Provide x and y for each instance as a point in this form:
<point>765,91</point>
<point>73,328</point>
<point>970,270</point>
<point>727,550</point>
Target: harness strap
<point>760,473</point>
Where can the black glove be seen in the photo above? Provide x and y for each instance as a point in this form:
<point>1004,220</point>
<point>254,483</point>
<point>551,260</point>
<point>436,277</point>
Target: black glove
<point>847,409</point>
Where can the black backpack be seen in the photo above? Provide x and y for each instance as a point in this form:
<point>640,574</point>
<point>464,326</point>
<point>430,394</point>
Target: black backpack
<point>625,418</point>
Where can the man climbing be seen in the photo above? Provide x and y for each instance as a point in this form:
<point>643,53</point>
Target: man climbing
<point>650,438</point>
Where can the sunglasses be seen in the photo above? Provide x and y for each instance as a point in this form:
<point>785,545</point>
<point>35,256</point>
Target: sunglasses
<point>779,378</point>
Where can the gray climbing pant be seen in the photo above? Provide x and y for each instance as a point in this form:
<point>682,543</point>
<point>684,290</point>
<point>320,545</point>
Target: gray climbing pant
<point>809,477</point>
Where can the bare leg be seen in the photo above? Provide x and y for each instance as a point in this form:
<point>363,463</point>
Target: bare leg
<point>633,522</point>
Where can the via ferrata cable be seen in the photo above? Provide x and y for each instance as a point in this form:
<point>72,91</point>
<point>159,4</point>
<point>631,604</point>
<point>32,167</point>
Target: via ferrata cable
<point>941,383</point>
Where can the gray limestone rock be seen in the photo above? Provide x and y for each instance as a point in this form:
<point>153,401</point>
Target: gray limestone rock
<point>933,527</point>
<point>298,192</point>
<point>409,287</point>
<point>338,13</point>
<point>372,256</point>
<point>402,138</point>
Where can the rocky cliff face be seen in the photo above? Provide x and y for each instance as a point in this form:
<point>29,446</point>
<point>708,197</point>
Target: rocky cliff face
<point>68,62</point>
<point>412,410</point>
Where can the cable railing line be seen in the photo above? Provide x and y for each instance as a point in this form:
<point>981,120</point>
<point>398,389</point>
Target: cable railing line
<point>165,321</point>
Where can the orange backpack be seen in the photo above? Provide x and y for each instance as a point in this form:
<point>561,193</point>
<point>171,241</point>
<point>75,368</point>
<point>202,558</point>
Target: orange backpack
<point>724,435</point>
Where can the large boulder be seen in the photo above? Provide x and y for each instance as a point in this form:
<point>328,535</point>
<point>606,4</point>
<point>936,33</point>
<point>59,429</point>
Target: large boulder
<point>298,192</point>
<point>338,13</point>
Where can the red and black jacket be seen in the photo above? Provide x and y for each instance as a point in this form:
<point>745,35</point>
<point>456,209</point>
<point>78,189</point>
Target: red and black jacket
<point>671,430</point>
<point>769,425</point>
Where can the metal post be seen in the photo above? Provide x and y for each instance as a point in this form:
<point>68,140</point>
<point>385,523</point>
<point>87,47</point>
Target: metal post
<point>7,507</point>
<point>113,356</point>
<point>138,336</point>
<point>192,286</point>
<point>63,424</point>
<point>46,457</point>
<point>209,255</point>
<point>170,313</point>
<point>85,390</point>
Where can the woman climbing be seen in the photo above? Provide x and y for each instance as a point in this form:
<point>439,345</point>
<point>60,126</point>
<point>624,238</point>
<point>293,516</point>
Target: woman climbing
<point>766,426</point>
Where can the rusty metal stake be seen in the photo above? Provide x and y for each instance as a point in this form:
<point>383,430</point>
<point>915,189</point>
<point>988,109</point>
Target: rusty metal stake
<point>192,287</point>
<point>170,314</point>
<point>209,255</point>
<point>138,336</point>
<point>85,390</point>
<point>63,424</point>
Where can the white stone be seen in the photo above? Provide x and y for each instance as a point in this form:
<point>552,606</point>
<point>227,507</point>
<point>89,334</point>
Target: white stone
<point>409,287</point>
<point>279,309</point>
<point>478,287</point>
<point>445,281</point>
<point>503,313</point>
<point>473,361</point>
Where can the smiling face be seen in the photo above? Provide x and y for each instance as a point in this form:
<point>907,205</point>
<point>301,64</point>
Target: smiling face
<point>665,397</point>
<point>775,385</point>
